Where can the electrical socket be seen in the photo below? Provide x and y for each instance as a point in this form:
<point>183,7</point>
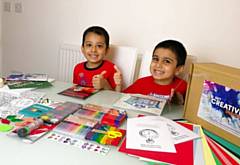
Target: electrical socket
<point>18,7</point>
<point>7,6</point>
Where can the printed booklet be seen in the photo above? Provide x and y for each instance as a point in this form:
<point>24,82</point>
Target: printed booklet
<point>27,76</point>
<point>143,103</point>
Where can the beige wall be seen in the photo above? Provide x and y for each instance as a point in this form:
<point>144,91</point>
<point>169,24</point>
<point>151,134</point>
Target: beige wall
<point>209,29</point>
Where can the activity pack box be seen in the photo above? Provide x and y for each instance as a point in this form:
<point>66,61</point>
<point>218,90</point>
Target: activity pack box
<point>213,99</point>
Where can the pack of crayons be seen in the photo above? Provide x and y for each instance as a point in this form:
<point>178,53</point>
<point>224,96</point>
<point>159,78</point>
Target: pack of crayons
<point>96,123</point>
<point>89,114</point>
<point>59,113</point>
<point>102,114</point>
<point>105,134</point>
<point>75,126</point>
<point>114,117</point>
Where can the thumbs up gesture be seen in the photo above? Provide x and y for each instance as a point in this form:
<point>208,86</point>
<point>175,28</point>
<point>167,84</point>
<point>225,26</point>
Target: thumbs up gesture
<point>176,97</point>
<point>117,79</point>
<point>98,80</point>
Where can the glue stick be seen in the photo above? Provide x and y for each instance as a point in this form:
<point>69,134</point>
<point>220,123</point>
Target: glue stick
<point>23,132</point>
<point>1,82</point>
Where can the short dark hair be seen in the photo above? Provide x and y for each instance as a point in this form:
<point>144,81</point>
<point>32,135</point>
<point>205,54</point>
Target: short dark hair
<point>176,47</point>
<point>98,30</point>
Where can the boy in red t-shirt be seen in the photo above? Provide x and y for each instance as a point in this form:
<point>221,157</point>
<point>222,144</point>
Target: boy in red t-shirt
<point>168,60</point>
<point>97,72</point>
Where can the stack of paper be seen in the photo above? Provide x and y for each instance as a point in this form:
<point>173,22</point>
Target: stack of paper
<point>189,149</point>
<point>183,155</point>
<point>19,80</point>
<point>27,76</point>
<point>159,139</point>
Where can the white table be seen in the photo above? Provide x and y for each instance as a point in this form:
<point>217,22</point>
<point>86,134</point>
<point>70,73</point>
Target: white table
<point>46,152</point>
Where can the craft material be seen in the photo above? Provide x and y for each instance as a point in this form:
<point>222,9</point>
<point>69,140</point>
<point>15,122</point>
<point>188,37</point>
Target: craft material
<point>5,127</point>
<point>105,134</point>
<point>1,83</point>
<point>23,132</point>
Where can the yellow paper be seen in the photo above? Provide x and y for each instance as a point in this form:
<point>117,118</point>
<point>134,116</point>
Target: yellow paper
<point>207,151</point>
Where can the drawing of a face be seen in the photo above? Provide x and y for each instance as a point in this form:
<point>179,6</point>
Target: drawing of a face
<point>173,130</point>
<point>149,134</point>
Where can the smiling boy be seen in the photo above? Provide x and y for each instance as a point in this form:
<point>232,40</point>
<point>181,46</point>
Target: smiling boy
<point>95,71</point>
<point>168,60</point>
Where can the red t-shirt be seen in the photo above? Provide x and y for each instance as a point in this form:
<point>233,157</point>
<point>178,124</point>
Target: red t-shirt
<point>147,86</point>
<point>83,75</point>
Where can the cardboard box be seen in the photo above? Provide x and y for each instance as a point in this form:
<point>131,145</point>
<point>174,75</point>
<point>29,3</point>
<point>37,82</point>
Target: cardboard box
<point>213,99</point>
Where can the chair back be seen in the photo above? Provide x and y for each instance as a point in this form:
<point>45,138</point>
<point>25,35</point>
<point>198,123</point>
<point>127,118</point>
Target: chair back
<point>125,58</point>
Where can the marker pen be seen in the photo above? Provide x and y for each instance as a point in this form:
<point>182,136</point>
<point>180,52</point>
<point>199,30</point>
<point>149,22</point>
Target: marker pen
<point>23,132</point>
<point>1,82</point>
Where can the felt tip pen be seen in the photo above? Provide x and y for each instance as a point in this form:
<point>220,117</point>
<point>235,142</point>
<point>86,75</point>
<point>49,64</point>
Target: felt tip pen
<point>25,131</point>
<point>181,119</point>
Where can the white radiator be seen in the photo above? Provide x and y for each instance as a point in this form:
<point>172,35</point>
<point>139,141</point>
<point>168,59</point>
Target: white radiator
<point>69,56</point>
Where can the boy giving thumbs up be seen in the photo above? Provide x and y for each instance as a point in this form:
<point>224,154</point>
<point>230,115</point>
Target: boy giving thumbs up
<point>95,71</point>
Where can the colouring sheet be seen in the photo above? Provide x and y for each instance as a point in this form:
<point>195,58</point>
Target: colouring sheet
<point>151,136</point>
<point>179,133</point>
<point>12,102</point>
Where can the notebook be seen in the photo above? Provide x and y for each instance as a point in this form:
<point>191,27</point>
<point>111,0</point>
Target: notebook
<point>142,103</point>
<point>79,92</point>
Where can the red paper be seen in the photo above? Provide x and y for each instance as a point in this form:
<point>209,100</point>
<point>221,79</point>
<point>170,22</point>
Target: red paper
<point>223,157</point>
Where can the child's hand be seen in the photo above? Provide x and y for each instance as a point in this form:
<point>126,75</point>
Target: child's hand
<point>117,79</point>
<point>176,97</point>
<point>99,81</point>
<point>117,76</point>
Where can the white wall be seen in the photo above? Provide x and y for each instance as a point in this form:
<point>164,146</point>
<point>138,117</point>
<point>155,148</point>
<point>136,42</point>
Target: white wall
<point>209,29</point>
<point>1,40</point>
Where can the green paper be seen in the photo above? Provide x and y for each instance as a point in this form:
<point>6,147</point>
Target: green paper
<point>153,163</point>
<point>5,127</point>
<point>13,118</point>
<point>10,117</point>
<point>217,161</point>
<point>30,84</point>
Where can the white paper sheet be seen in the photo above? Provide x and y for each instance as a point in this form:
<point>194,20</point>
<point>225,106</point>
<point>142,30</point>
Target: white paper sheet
<point>152,136</point>
<point>179,133</point>
<point>11,103</point>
